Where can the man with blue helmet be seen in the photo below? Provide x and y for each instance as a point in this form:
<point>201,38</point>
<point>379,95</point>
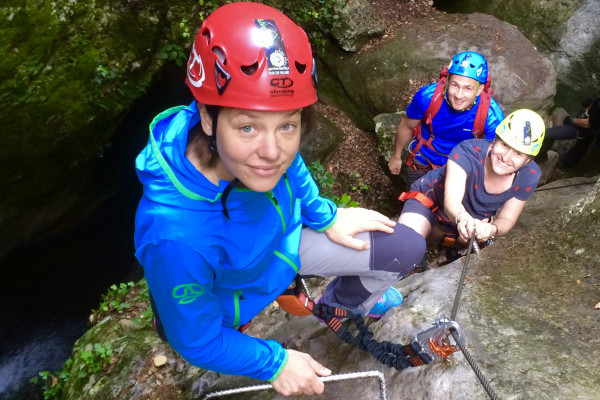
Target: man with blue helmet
<point>443,114</point>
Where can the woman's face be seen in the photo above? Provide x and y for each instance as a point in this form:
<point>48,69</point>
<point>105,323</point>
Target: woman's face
<point>256,147</point>
<point>462,91</point>
<point>506,160</point>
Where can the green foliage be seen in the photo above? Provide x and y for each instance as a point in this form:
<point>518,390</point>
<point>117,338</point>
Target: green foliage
<point>345,201</point>
<point>103,74</point>
<point>145,319</point>
<point>53,382</point>
<point>113,300</point>
<point>147,316</point>
<point>98,357</point>
<point>93,360</point>
<point>360,185</point>
<point>315,16</point>
<point>173,52</point>
<point>209,6</point>
<point>325,181</point>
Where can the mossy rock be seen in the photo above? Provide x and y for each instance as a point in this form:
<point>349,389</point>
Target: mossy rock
<point>69,72</point>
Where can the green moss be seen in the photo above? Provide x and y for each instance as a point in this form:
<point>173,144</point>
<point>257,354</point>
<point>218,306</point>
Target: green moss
<point>69,72</point>
<point>543,285</point>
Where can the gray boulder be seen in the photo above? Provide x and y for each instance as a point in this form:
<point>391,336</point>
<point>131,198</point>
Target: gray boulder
<point>356,24</point>
<point>374,82</point>
<point>323,142</point>
<point>566,31</point>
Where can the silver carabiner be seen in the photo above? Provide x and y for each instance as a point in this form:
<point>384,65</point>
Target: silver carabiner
<point>435,341</point>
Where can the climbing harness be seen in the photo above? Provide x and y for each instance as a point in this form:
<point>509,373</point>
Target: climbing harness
<point>434,106</point>
<point>331,378</point>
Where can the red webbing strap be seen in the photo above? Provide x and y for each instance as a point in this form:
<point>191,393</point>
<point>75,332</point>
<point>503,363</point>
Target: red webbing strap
<point>432,109</point>
<point>417,134</point>
<point>482,111</point>
<point>294,301</point>
<point>436,99</point>
<point>448,240</point>
<point>420,197</point>
<point>244,327</point>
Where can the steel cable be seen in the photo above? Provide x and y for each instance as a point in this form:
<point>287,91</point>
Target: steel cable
<point>332,378</point>
<point>484,382</point>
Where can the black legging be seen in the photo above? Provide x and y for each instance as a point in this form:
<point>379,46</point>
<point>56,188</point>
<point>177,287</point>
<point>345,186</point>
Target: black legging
<point>564,132</point>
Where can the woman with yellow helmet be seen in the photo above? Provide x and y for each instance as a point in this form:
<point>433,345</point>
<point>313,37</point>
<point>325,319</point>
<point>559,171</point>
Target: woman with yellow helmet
<point>480,178</point>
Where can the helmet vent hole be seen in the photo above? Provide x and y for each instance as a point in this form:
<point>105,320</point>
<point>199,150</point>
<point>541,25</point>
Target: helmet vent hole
<point>300,67</point>
<point>249,69</point>
<point>220,55</point>
<point>206,36</point>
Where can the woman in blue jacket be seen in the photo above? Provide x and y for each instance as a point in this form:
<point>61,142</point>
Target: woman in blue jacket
<point>219,229</point>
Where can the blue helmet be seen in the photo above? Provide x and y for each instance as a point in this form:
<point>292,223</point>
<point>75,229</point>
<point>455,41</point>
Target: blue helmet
<point>469,64</point>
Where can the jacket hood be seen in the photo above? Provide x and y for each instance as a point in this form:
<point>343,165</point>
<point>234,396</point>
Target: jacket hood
<point>167,174</point>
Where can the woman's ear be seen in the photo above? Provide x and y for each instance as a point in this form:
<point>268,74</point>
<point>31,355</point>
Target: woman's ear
<point>205,120</point>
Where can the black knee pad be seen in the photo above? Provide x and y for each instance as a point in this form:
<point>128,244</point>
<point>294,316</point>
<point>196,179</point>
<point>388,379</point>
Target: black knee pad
<point>398,252</point>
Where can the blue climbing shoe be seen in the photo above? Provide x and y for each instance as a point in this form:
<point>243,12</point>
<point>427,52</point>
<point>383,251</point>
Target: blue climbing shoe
<point>391,298</point>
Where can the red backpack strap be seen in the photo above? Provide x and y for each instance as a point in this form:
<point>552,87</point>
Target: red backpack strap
<point>432,109</point>
<point>436,99</point>
<point>482,111</point>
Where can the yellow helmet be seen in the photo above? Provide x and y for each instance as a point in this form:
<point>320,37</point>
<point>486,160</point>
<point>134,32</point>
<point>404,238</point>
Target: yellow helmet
<point>523,130</point>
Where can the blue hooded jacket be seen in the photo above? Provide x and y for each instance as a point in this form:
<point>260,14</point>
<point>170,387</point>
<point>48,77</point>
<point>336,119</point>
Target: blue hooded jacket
<point>209,274</point>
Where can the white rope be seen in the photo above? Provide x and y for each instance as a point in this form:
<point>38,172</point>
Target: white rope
<point>332,378</point>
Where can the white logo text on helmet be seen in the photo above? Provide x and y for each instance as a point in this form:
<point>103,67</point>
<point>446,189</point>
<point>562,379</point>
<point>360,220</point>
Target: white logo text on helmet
<point>195,70</point>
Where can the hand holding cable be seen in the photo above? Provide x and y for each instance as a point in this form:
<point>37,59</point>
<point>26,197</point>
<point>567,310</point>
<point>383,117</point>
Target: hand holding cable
<point>468,225</point>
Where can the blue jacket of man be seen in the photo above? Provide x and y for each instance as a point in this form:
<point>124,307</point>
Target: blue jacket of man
<point>450,127</point>
<point>209,274</point>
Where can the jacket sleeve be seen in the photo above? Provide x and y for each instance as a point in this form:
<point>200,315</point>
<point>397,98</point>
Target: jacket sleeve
<point>317,212</point>
<point>181,283</point>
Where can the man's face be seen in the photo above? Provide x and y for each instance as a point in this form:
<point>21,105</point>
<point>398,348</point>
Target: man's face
<point>462,91</point>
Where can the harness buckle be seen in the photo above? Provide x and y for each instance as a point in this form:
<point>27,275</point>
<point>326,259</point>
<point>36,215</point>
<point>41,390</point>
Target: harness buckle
<point>435,342</point>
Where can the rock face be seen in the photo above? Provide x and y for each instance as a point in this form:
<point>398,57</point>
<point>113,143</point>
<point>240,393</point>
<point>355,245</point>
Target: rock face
<point>356,23</point>
<point>373,82</point>
<point>323,142</point>
<point>526,310</point>
<point>567,32</point>
<point>69,72</point>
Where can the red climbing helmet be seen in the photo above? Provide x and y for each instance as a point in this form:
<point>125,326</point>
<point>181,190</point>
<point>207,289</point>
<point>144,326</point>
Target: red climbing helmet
<point>252,56</point>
